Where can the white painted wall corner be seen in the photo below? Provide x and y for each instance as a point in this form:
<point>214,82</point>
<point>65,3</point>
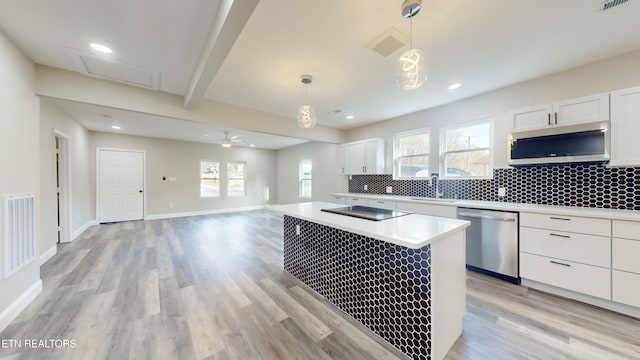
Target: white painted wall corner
<point>16,307</point>
<point>203,212</point>
<point>82,229</point>
<point>44,257</point>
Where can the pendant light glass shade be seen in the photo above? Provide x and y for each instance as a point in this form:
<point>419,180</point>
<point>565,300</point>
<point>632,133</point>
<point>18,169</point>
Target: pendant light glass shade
<point>411,69</point>
<point>306,113</point>
<point>306,117</point>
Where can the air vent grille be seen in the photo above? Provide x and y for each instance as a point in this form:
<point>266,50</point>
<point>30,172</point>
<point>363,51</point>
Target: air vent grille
<point>606,5</point>
<point>387,43</point>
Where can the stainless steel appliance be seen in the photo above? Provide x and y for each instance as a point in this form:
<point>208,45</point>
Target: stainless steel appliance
<point>492,242</point>
<point>587,143</point>
<point>366,212</point>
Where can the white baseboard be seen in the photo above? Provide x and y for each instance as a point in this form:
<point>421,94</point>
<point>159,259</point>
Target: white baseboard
<point>16,307</point>
<point>84,227</point>
<point>203,212</point>
<point>603,303</point>
<point>44,257</point>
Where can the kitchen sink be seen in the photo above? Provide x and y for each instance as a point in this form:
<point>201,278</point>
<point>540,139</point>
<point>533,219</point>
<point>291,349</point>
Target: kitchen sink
<point>433,199</point>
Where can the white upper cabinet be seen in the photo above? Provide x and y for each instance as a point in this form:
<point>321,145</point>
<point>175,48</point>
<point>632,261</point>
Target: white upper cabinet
<point>364,157</point>
<point>625,127</point>
<point>582,110</point>
<point>340,159</point>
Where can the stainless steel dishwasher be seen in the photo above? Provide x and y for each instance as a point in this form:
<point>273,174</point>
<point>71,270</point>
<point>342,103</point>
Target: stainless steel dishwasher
<point>492,242</point>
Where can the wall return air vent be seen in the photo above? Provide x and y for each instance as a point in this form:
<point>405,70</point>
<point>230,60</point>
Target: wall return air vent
<point>608,4</point>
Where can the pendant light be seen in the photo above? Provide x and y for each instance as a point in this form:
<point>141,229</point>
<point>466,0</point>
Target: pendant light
<point>411,67</point>
<point>306,113</point>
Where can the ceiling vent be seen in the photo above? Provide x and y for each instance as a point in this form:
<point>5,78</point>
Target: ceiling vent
<point>606,5</point>
<point>388,42</point>
<point>108,69</point>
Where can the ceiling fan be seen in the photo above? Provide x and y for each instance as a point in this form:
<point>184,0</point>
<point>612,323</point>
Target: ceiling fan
<point>228,141</point>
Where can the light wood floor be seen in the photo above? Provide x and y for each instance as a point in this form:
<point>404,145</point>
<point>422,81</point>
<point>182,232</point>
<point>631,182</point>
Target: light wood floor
<point>212,287</point>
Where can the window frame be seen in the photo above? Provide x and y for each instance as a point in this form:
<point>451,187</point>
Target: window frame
<point>302,178</point>
<point>443,149</point>
<point>396,157</point>
<point>244,179</point>
<point>219,179</point>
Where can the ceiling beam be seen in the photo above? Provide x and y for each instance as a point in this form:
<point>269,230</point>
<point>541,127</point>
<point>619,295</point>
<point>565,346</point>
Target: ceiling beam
<point>230,19</point>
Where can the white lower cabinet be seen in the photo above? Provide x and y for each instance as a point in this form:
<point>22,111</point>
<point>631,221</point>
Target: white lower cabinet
<point>582,248</point>
<point>355,201</point>
<point>626,262</point>
<point>339,199</point>
<point>626,288</point>
<point>569,252</point>
<point>381,204</point>
<point>586,279</point>
<point>428,209</point>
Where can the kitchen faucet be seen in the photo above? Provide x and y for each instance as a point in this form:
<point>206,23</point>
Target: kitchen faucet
<point>435,176</point>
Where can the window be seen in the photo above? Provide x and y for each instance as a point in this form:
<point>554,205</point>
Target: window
<point>209,178</point>
<point>466,150</point>
<point>235,179</point>
<point>411,154</point>
<point>305,179</point>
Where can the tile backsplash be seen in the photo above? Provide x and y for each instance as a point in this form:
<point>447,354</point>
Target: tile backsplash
<point>595,186</point>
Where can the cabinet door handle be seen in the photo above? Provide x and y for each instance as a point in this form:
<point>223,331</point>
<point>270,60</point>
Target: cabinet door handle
<point>559,263</point>
<point>556,118</point>
<point>549,118</point>
<point>562,236</point>
<point>380,202</point>
<point>343,170</point>
<point>559,218</point>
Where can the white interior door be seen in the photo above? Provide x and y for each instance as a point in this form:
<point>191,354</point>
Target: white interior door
<point>120,185</point>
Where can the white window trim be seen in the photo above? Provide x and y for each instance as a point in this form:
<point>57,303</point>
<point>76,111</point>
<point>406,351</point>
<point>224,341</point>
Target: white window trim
<point>396,170</point>
<point>443,150</point>
<point>219,179</point>
<point>244,179</point>
<point>300,178</point>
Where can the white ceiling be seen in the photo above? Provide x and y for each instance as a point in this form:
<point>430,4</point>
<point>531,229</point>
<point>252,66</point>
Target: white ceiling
<point>484,44</point>
<point>93,117</point>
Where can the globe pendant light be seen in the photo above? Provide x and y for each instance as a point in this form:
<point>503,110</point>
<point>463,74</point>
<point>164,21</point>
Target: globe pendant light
<point>306,113</point>
<point>411,67</point>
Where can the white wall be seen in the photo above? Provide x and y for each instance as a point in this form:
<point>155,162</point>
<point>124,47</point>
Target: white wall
<point>615,73</point>
<point>325,181</point>
<point>181,160</point>
<point>19,158</point>
<point>53,118</point>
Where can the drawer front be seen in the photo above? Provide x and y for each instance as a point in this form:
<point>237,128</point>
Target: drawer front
<point>626,288</point>
<point>428,209</point>
<point>339,199</point>
<point>587,249</point>
<point>382,204</point>
<point>586,279</point>
<point>356,201</point>
<point>575,224</point>
<point>626,229</point>
<point>626,255</point>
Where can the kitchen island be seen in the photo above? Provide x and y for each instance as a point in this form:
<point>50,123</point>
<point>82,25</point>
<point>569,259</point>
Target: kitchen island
<point>403,278</point>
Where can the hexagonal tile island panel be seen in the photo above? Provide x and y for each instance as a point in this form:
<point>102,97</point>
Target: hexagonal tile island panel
<point>385,287</point>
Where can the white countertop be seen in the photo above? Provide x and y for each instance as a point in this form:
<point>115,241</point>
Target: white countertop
<point>412,231</point>
<point>612,214</point>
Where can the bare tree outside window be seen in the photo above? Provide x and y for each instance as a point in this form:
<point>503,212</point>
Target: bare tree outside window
<point>466,150</point>
<point>411,154</point>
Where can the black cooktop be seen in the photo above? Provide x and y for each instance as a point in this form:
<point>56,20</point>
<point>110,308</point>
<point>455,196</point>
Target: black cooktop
<point>366,212</point>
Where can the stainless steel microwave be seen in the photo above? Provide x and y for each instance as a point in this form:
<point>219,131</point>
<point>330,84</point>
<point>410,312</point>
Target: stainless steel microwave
<point>585,143</point>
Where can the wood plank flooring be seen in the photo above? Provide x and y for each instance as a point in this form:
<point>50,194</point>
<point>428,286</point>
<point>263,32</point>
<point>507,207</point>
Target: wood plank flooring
<point>212,287</point>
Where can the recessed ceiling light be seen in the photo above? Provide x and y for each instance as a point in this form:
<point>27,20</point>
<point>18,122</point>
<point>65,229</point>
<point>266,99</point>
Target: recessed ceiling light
<point>454,86</point>
<point>100,48</point>
<point>252,145</point>
<point>116,127</point>
<point>226,145</point>
<point>349,117</point>
<point>206,134</point>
